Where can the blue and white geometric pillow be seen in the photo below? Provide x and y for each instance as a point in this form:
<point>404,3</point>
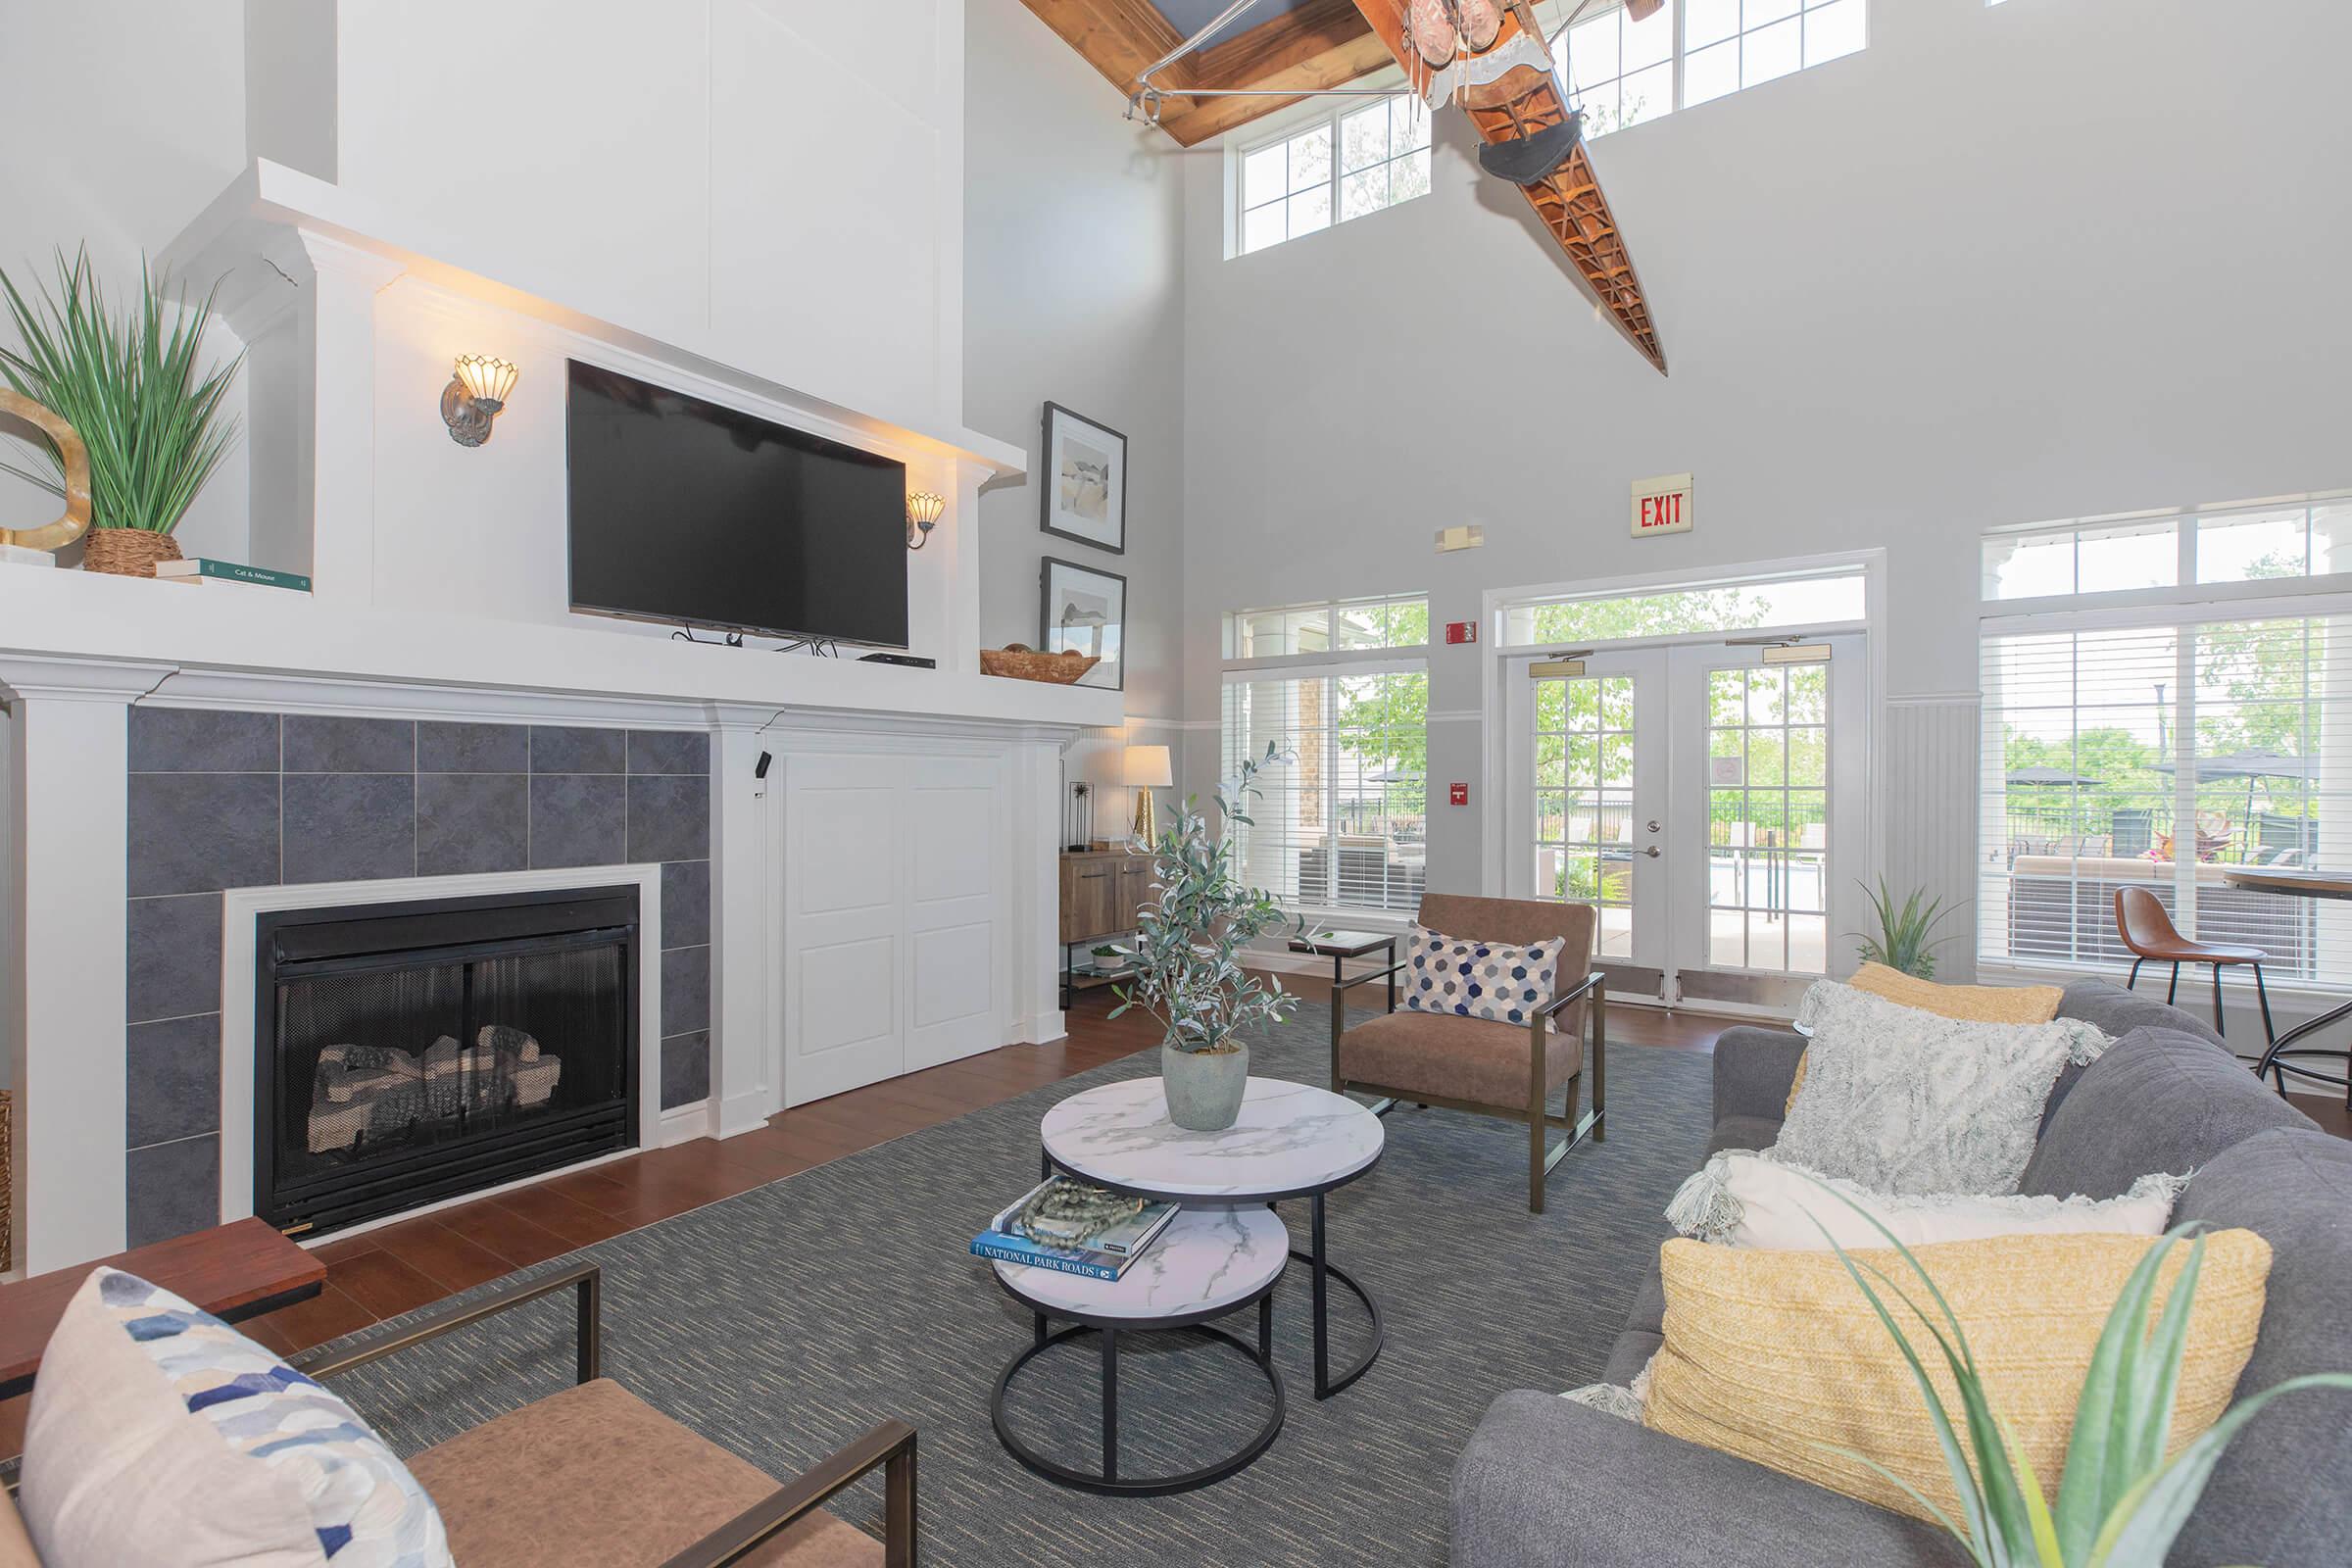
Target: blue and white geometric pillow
<point>1473,979</point>
<point>365,1508</point>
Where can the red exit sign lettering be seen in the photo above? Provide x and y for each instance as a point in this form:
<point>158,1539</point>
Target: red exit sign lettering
<point>1662,505</point>
<point>1461,632</point>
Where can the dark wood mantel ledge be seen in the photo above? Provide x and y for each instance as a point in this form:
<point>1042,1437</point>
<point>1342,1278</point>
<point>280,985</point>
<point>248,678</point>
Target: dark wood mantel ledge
<point>232,1271</point>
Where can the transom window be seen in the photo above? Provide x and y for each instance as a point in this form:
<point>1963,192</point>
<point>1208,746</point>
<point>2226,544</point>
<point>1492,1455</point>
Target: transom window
<point>1621,72</point>
<point>1811,602</point>
<point>1364,157</point>
<point>2261,542</point>
<point>1334,625</point>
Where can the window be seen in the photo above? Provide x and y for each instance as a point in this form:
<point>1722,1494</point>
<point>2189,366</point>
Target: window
<point>2310,537</point>
<point>1621,72</point>
<point>1767,818</point>
<point>2167,744</point>
<point>1808,601</point>
<point>1296,185</point>
<point>1342,824</point>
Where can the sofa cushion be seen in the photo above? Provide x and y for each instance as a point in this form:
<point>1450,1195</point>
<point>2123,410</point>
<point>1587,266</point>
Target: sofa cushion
<point>160,1434</point>
<point>1744,1133</point>
<point>2158,1100</point>
<point>1780,1358</point>
<point>2282,1493</point>
<point>1454,1058</point>
<point>1738,1199</point>
<point>596,1478</point>
<point>2118,1011</point>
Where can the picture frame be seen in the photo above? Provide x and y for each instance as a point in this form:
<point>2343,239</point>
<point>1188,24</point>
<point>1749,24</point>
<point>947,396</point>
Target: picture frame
<point>1084,607</point>
<point>1084,497</point>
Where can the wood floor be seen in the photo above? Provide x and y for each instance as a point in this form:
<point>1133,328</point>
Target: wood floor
<point>383,1273</point>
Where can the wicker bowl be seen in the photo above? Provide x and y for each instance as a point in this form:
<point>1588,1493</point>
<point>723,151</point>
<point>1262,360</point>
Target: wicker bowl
<point>1021,662</point>
<point>126,552</point>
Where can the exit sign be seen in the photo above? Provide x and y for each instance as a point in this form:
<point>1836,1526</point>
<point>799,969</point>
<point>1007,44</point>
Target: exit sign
<point>1662,505</point>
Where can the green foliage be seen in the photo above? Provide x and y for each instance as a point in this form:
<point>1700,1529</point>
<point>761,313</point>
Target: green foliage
<point>1188,944</point>
<point>128,386</point>
<point>2120,1503</point>
<point>1904,938</point>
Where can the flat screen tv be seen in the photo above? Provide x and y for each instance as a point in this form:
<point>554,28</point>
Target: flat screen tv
<point>688,511</point>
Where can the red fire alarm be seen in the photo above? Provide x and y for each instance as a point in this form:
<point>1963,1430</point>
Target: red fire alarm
<point>1461,632</point>
<point>1458,795</point>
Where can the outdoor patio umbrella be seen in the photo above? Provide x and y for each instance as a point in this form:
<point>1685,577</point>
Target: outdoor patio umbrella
<point>2252,763</point>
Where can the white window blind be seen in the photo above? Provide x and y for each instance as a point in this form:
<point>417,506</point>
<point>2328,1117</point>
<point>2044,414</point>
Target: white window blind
<point>2163,754</point>
<point>1342,825</point>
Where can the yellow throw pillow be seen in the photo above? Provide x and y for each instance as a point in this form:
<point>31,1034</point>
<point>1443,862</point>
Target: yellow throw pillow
<point>1976,1004</point>
<point>1770,1356</point>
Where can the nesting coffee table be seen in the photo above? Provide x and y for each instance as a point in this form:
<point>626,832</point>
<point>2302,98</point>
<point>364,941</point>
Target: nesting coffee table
<point>1226,1251</point>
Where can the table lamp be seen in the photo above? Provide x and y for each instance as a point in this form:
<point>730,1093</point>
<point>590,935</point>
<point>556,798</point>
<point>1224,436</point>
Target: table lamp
<point>1148,767</point>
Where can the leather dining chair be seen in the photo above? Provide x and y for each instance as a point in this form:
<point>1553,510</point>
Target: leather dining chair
<point>2148,931</point>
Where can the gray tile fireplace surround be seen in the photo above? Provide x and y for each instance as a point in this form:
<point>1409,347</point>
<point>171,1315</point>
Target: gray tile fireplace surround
<point>221,799</point>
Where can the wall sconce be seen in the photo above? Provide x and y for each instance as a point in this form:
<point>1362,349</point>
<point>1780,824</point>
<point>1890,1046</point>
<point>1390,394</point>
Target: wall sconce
<point>474,396</point>
<point>923,510</point>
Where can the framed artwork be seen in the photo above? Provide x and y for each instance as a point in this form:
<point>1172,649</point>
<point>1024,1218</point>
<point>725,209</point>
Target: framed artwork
<point>1086,609</point>
<point>1085,494</point>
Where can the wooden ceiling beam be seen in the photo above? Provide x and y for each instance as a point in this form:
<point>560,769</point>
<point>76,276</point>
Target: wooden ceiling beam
<point>1323,44</point>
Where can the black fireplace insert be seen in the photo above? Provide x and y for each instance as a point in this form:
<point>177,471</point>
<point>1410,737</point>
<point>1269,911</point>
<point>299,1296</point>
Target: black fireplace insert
<point>408,1053</point>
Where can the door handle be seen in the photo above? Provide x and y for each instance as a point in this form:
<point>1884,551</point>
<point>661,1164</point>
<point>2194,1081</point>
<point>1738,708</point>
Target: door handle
<point>1652,852</point>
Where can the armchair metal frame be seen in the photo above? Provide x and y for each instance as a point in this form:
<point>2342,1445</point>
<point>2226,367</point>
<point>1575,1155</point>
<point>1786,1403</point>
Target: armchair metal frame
<point>1542,1156</point>
<point>890,1445</point>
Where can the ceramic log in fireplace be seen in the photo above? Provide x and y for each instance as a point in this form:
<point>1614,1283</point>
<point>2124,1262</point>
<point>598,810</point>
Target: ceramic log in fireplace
<point>408,1053</point>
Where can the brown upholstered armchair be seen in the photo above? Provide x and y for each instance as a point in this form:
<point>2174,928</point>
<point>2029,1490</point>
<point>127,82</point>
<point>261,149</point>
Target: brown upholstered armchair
<point>1493,1069</point>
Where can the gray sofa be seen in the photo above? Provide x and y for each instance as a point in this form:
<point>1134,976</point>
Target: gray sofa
<point>1544,1484</point>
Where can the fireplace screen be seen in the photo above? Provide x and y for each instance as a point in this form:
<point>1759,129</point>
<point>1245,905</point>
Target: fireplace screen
<point>427,1051</point>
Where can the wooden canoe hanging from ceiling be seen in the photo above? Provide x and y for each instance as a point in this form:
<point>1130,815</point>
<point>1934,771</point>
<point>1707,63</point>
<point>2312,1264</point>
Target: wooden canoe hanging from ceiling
<point>1490,57</point>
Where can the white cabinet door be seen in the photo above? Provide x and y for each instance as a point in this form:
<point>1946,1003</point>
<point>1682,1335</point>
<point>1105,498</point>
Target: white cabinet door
<point>845,943</point>
<point>896,931</point>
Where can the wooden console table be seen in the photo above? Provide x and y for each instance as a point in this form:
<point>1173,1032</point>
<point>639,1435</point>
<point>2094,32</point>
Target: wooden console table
<point>232,1271</point>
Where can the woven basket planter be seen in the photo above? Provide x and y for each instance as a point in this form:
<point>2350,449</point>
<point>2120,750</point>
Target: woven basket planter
<point>126,552</point>
<point>1019,662</point>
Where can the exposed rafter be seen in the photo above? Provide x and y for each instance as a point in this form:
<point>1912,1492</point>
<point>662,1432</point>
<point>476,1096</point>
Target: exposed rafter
<point>1325,43</point>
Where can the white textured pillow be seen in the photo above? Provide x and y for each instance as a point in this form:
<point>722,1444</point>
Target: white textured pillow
<point>1903,1100</point>
<point>159,1433</point>
<point>1740,1198</point>
<point>1474,979</point>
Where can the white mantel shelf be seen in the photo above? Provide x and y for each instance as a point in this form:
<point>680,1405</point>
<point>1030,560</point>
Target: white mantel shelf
<point>231,646</point>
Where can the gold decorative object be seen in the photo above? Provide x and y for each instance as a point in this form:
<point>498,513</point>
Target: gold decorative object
<point>77,520</point>
<point>1020,662</point>
<point>1147,769</point>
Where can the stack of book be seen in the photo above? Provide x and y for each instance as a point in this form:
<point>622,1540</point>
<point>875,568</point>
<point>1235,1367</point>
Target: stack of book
<point>200,570</point>
<point>1102,1254</point>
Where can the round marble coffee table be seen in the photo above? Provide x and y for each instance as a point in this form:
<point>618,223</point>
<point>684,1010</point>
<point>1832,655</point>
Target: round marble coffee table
<point>1208,1264</point>
<point>1291,1141</point>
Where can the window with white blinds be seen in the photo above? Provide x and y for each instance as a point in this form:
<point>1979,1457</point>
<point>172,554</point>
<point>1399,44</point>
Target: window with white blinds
<point>1344,823</point>
<point>2167,754</point>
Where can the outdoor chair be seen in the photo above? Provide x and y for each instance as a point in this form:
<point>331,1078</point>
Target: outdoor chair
<point>1504,1070</point>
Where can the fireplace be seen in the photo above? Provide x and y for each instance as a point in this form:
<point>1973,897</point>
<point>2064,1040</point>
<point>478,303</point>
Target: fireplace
<point>408,1053</point>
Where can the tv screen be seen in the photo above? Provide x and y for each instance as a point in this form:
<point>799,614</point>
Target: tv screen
<point>685,510</point>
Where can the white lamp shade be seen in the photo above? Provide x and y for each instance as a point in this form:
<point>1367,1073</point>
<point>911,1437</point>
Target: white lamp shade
<point>1149,768</point>
<point>486,379</point>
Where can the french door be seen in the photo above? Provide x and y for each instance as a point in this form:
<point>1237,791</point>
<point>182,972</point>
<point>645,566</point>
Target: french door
<point>1706,800</point>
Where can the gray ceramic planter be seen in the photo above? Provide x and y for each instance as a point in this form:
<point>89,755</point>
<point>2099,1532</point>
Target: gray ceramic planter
<point>1205,1088</point>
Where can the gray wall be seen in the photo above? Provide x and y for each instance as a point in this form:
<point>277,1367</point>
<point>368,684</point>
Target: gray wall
<point>1073,272</point>
<point>2037,261</point>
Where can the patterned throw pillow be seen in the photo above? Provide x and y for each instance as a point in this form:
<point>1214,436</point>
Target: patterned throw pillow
<point>160,1434</point>
<point>1473,979</point>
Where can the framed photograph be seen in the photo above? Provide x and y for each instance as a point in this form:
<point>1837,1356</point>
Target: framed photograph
<point>1085,494</point>
<point>1086,609</point>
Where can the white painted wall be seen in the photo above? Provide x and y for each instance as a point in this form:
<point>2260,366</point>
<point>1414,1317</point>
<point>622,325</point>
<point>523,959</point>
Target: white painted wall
<point>789,175</point>
<point>1073,293</point>
<point>2041,260</point>
<point>118,120</point>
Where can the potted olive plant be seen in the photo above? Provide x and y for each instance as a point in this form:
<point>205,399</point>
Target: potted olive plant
<point>132,389</point>
<point>1185,956</point>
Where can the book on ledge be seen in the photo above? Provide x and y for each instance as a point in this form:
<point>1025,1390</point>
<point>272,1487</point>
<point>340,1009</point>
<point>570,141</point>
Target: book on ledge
<point>1070,1245</point>
<point>197,568</point>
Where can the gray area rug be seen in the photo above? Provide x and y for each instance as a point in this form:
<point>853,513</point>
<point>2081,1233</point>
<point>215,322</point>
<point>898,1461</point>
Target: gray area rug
<point>786,1320</point>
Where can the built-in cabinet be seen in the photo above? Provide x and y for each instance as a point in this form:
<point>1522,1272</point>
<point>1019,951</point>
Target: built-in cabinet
<point>896,916</point>
<point>1101,891</point>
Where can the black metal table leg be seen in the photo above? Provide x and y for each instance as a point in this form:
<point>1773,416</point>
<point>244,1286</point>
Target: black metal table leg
<point>1324,1271</point>
<point>2273,1066</point>
<point>1110,1405</point>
